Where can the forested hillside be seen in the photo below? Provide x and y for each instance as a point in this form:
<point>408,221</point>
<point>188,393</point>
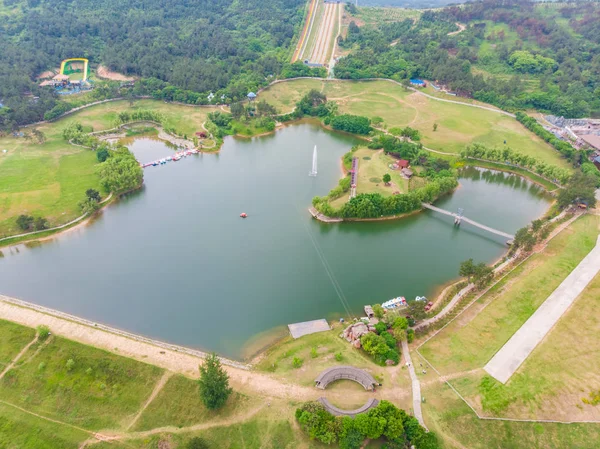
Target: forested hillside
<point>198,45</point>
<point>515,54</point>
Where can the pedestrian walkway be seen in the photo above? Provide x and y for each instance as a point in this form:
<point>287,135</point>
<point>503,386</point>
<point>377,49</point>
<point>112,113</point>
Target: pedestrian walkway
<point>416,385</point>
<point>510,357</point>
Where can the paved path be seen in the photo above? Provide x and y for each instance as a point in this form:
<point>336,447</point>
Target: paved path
<point>510,357</point>
<point>416,386</point>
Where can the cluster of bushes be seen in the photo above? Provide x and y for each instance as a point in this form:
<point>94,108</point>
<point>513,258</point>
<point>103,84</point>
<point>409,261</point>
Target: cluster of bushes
<point>565,148</point>
<point>75,133</point>
<point>383,345</point>
<point>480,273</point>
<point>29,223</point>
<point>342,187</point>
<point>373,205</point>
<point>91,203</point>
<point>507,155</point>
<point>355,124</point>
<point>407,131</point>
<point>386,420</point>
<point>139,115</point>
<point>314,104</point>
<point>121,172</point>
<point>299,69</point>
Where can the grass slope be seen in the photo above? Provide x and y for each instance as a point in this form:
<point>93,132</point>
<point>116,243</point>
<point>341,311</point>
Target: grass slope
<point>178,404</point>
<point>100,391</point>
<point>22,430</point>
<point>50,179</point>
<point>14,338</point>
<point>458,125</point>
<point>470,341</point>
<point>458,426</point>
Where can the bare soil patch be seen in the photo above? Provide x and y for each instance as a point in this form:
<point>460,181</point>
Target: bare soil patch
<point>105,72</point>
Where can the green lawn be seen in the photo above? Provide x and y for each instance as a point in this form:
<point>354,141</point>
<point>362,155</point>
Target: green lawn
<point>279,358</point>
<point>459,428</point>
<point>178,404</point>
<point>371,171</point>
<point>50,179</point>
<point>22,430</point>
<point>470,341</point>
<point>14,338</point>
<point>458,125</point>
<point>101,390</point>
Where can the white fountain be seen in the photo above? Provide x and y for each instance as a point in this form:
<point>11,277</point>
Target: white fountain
<point>313,172</point>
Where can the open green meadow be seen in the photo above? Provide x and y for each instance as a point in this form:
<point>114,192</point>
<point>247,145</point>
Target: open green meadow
<point>458,125</point>
<point>457,425</point>
<point>372,165</point>
<point>96,390</point>
<point>14,338</point>
<point>562,371</point>
<point>471,340</point>
<point>50,179</point>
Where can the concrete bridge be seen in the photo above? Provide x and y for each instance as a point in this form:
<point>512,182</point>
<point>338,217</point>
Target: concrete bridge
<point>458,218</point>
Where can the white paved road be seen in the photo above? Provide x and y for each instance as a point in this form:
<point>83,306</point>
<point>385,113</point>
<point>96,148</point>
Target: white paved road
<point>416,385</point>
<point>510,357</point>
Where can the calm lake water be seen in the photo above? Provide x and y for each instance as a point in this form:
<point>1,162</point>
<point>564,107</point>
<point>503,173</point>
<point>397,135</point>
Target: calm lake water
<point>175,261</point>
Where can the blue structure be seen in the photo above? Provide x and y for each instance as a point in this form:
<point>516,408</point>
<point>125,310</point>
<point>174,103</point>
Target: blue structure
<point>1,105</point>
<point>418,82</point>
<point>251,96</point>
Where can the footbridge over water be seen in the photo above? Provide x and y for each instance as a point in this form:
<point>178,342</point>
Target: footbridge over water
<point>458,217</point>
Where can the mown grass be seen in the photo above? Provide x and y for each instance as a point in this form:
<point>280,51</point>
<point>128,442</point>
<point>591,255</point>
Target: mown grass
<point>22,430</point>
<point>470,341</point>
<point>371,171</point>
<point>13,338</point>
<point>50,179</point>
<point>279,358</point>
<point>178,404</point>
<point>458,427</point>
<point>553,381</point>
<point>100,390</point>
<point>458,125</point>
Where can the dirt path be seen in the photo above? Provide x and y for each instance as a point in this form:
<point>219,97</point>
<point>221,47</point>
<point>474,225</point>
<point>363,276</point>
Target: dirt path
<point>416,385</point>
<point>461,28</point>
<point>18,356</point>
<point>157,389</point>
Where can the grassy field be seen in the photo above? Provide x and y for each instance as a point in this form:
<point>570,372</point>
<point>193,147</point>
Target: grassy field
<point>470,341</point>
<point>50,179</point>
<point>458,426</point>
<point>458,125</point>
<point>372,165</point>
<point>375,16</point>
<point>278,359</point>
<point>13,338</point>
<point>178,404</point>
<point>22,430</point>
<point>553,381</point>
<point>99,390</point>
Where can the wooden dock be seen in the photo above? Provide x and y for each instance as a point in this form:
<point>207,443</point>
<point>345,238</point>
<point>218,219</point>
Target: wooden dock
<point>324,218</point>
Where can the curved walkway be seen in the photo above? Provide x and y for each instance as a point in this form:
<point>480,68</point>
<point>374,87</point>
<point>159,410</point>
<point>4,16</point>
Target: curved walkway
<point>335,411</point>
<point>345,372</point>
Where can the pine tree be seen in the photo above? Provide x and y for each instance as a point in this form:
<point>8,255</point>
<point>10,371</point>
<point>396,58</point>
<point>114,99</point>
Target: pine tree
<point>214,383</point>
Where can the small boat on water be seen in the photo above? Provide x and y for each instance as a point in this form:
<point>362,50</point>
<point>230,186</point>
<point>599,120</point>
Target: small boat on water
<point>420,298</point>
<point>243,215</point>
<point>394,303</point>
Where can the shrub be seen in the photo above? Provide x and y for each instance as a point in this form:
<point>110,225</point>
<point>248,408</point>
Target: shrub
<point>70,364</point>
<point>410,335</point>
<point>313,353</point>
<point>297,362</point>
<point>339,357</point>
<point>197,443</point>
<point>380,327</point>
<point>43,332</point>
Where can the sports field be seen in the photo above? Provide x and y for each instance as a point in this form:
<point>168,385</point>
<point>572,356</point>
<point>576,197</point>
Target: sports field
<point>561,371</point>
<point>458,125</point>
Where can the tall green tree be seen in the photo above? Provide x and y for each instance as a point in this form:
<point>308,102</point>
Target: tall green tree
<point>214,383</point>
<point>467,268</point>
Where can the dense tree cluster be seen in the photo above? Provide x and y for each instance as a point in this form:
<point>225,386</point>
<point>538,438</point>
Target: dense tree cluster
<point>121,172</point>
<point>355,124</point>
<point>384,421</point>
<point>509,156</point>
<point>566,64</point>
<point>186,49</point>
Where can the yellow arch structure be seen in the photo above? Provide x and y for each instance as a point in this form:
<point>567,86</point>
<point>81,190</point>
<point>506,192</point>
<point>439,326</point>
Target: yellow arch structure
<point>85,66</point>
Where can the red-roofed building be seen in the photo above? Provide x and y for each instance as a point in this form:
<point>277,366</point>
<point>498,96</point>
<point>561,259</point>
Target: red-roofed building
<point>403,163</point>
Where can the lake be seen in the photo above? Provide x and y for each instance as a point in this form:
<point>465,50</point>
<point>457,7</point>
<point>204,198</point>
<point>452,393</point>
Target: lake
<point>175,261</point>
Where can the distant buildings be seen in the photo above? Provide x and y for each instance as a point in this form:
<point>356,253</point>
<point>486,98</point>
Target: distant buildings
<point>418,83</point>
